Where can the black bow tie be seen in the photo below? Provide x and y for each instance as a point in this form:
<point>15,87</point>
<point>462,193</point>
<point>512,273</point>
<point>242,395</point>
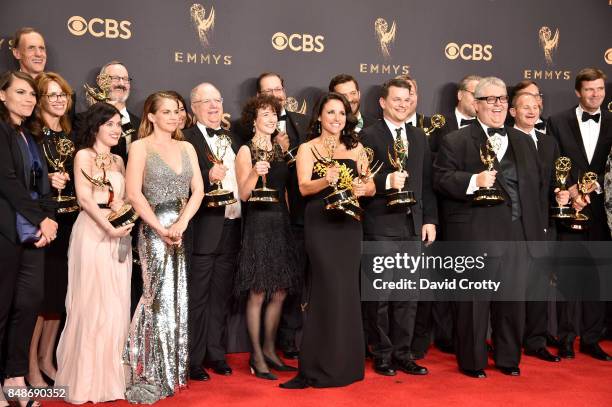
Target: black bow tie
<point>586,117</point>
<point>540,126</point>
<point>466,122</point>
<point>492,130</point>
<point>282,117</point>
<point>212,133</point>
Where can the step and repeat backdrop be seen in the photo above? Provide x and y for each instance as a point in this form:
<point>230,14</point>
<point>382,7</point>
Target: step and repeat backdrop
<point>177,44</point>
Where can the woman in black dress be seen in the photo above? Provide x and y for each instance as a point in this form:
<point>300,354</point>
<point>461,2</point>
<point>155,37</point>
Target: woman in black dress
<point>267,267</point>
<point>51,126</point>
<point>332,350</point>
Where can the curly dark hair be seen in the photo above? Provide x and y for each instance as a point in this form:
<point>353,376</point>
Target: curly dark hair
<point>348,137</point>
<point>97,114</point>
<point>252,106</point>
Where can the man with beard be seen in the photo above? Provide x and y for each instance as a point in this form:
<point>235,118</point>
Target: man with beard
<point>348,87</point>
<point>291,133</point>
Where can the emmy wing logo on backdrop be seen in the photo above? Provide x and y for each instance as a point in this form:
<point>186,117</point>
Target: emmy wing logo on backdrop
<point>549,43</point>
<point>203,25</point>
<point>1,42</point>
<point>292,105</point>
<point>385,37</point>
<point>607,55</point>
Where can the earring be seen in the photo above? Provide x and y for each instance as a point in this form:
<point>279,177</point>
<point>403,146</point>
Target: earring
<point>318,127</point>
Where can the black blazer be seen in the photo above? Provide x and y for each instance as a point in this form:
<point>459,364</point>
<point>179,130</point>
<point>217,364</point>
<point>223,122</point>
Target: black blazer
<point>566,130</point>
<point>379,219</point>
<point>121,148</point>
<point>207,222</point>
<point>14,192</point>
<point>297,127</point>
<point>458,159</point>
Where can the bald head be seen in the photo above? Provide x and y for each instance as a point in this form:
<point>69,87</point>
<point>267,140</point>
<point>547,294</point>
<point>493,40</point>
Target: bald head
<point>207,105</point>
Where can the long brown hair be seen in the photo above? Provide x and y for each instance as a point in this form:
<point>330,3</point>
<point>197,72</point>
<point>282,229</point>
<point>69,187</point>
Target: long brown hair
<point>151,105</point>
<point>42,84</point>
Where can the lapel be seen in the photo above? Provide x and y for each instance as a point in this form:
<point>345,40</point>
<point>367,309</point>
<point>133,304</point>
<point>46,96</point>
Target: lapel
<point>601,152</point>
<point>201,145</point>
<point>572,122</point>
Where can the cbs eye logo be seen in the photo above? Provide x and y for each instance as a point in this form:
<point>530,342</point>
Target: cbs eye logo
<point>469,52</point>
<point>298,42</point>
<point>99,27</point>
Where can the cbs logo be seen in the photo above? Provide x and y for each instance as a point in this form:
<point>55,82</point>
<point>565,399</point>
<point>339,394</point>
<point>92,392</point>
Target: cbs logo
<point>469,52</point>
<point>99,27</point>
<point>298,42</point>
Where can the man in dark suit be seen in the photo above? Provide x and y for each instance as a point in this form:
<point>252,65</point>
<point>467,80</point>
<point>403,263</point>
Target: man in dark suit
<point>525,111</point>
<point>458,173</point>
<point>392,323</point>
<point>348,87</point>
<point>215,240</point>
<point>291,133</point>
<point>584,134</point>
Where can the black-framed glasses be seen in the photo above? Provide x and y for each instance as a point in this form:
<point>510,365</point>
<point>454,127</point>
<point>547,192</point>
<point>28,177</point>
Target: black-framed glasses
<point>492,99</point>
<point>54,97</point>
<point>272,91</point>
<point>125,79</point>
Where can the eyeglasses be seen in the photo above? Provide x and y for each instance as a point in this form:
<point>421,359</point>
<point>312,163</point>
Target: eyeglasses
<point>272,91</point>
<point>126,79</point>
<point>54,97</point>
<point>492,99</point>
<point>208,101</point>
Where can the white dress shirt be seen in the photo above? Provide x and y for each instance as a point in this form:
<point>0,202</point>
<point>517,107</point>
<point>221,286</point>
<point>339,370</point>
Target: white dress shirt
<point>589,131</point>
<point>393,128</point>
<point>496,140</point>
<point>125,118</point>
<point>412,120</point>
<point>282,124</point>
<point>532,134</point>
<point>459,116</point>
<point>232,211</point>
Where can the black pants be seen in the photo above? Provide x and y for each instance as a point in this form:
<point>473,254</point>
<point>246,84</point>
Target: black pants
<point>21,294</point>
<point>211,279</point>
<point>291,318</point>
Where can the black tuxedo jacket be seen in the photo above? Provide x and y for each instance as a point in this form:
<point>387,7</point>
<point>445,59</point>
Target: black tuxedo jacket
<point>566,130</point>
<point>14,192</point>
<point>548,152</point>
<point>297,127</point>
<point>379,219</point>
<point>121,149</point>
<point>207,222</point>
<point>458,159</point>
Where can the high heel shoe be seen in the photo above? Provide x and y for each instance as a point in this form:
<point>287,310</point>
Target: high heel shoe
<point>279,367</point>
<point>259,374</point>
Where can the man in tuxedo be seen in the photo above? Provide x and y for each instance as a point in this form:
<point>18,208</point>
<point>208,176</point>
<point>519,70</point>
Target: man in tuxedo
<point>215,240</point>
<point>458,173</point>
<point>392,323</point>
<point>29,50</point>
<point>584,134</point>
<point>348,87</point>
<point>525,111</point>
<point>291,133</point>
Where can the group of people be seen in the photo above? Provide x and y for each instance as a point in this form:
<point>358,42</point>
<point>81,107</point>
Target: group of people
<point>240,215</point>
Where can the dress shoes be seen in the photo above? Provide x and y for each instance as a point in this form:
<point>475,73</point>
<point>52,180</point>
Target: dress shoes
<point>279,367</point>
<point>383,367</point>
<point>296,383</point>
<point>552,341</point>
<point>410,367</point>
<point>595,351</point>
<point>510,371</point>
<point>198,373</point>
<point>220,367</point>
<point>417,355</point>
<point>566,350</point>
<point>543,354</point>
<point>476,374</point>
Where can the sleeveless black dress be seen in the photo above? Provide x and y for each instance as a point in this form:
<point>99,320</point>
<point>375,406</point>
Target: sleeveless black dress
<point>332,352</point>
<point>268,259</point>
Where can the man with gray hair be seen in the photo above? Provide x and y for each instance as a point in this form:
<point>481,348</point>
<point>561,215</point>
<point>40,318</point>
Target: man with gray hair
<point>119,92</point>
<point>458,173</point>
<point>216,239</point>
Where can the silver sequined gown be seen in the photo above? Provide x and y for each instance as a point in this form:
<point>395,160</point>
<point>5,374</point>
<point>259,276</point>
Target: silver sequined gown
<point>157,348</point>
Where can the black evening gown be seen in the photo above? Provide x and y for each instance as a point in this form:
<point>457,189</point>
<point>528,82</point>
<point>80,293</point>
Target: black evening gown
<point>332,352</point>
<point>268,258</point>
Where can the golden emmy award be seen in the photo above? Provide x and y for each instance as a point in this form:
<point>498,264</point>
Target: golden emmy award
<point>437,122</point>
<point>488,195</point>
<point>563,165</point>
<point>64,149</point>
<point>126,214</point>
<point>399,198</point>
<point>263,194</point>
<point>585,185</point>
<point>341,199</point>
<point>101,93</point>
<point>368,169</point>
<point>219,197</point>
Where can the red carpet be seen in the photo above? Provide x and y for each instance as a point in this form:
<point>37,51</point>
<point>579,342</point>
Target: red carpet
<point>583,381</point>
